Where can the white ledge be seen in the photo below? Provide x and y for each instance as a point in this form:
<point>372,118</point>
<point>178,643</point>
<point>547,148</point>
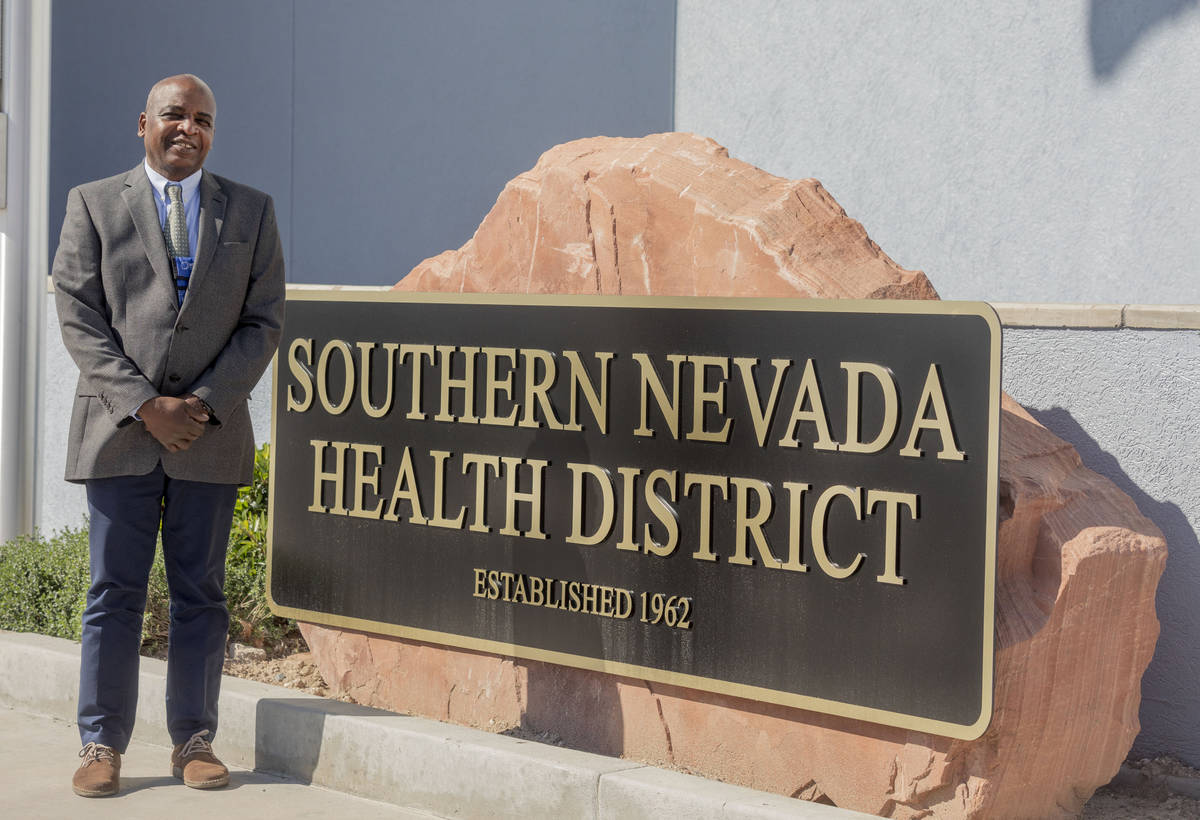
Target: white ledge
<point>1081,315</point>
<point>1163,317</point>
<point>368,288</point>
<point>1032,314</point>
<point>1098,316</point>
<point>1078,315</point>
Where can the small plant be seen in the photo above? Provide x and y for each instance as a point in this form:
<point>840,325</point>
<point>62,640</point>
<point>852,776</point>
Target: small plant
<point>251,620</point>
<point>157,617</point>
<point>44,583</point>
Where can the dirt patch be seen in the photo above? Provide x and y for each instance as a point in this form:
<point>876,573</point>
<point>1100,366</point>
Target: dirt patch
<point>296,671</point>
<point>1159,788</point>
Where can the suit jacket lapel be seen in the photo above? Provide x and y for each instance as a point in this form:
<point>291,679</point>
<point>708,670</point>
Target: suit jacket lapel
<point>139,198</point>
<point>212,216</point>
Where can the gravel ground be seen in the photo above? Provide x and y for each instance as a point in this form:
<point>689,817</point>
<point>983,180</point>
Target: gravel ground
<point>1151,789</point>
<point>295,671</point>
<point>1158,788</point>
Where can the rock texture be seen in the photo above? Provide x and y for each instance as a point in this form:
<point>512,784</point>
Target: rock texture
<point>669,214</point>
<point>1078,564</point>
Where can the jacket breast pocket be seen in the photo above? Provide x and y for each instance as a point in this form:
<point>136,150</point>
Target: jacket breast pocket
<point>233,255</point>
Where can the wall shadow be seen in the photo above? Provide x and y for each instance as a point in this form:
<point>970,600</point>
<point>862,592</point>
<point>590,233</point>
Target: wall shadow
<point>1115,26</point>
<point>288,733</point>
<point>1167,723</point>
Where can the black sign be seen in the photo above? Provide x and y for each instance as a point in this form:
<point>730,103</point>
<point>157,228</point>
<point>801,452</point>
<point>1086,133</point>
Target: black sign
<point>785,500</point>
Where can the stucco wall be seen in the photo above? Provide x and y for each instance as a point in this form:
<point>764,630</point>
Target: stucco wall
<point>1020,151</point>
<point>1127,400</point>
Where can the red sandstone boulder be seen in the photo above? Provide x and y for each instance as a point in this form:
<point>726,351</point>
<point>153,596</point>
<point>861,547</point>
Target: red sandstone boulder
<point>1078,564</point>
<point>669,214</point>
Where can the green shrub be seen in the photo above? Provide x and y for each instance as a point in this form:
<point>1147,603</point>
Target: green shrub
<point>44,581</point>
<point>250,619</point>
<point>157,617</point>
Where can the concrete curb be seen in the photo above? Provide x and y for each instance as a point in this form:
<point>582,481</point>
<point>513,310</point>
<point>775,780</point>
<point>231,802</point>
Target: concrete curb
<point>447,770</point>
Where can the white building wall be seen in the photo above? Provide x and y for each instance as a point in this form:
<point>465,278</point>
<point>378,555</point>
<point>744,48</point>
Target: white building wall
<point>1027,151</point>
<point>1127,399</point>
<point>62,504</point>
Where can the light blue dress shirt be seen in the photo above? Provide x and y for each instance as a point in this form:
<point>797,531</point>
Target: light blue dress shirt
<point>191,202</point>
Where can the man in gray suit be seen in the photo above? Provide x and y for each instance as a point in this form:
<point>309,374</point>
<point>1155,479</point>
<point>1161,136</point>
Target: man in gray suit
<point>170,290</point>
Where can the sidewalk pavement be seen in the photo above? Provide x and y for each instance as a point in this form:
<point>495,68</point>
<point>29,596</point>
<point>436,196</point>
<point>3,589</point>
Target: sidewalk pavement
<point>281,740</point>
<point>38,758</point>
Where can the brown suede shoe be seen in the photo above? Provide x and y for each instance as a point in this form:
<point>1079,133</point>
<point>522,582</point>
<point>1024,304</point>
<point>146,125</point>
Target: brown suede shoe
<point>195,763</point>
<point>99,775</point>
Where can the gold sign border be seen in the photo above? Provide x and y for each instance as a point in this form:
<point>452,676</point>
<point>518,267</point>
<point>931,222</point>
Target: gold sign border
<point>881,306</point>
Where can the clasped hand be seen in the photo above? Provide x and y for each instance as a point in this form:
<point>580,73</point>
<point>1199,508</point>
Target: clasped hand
<point>175,422</point>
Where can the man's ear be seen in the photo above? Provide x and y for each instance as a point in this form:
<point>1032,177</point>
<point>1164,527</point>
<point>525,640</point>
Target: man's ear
<point>142,124</point>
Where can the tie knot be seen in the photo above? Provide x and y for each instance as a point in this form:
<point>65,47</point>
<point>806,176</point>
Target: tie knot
<point>174,192</point>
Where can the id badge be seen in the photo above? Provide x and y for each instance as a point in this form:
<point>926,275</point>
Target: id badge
<point>183,273</point>
<point>183,267</point>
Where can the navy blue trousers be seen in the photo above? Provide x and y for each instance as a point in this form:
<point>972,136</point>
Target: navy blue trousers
<point>125,515</point>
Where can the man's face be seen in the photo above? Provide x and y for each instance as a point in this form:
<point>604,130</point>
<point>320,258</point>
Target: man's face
<point>177,127</point>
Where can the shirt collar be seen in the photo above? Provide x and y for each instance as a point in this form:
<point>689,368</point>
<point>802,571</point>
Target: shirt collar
<point>158,182</point>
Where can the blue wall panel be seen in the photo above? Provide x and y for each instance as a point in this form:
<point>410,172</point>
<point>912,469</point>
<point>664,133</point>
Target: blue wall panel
<point>384,129</point>
<point>105,56</point>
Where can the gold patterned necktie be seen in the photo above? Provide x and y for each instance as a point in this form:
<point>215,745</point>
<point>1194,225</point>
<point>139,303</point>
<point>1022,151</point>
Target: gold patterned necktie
<point>177,232</point>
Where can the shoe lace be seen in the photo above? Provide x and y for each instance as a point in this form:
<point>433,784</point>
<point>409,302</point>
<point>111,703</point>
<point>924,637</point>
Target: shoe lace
<point>94,752</point>
<point>196,744</point>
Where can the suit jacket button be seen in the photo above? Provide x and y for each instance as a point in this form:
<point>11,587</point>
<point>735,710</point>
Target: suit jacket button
<point>174,377</point>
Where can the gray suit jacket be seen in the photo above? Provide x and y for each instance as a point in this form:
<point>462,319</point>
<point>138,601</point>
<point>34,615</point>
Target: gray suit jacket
<point>116,299</point>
